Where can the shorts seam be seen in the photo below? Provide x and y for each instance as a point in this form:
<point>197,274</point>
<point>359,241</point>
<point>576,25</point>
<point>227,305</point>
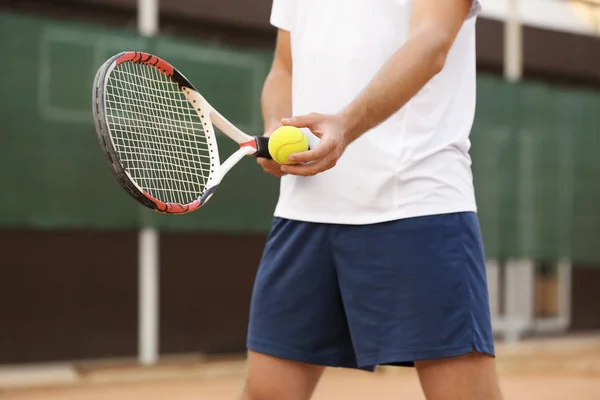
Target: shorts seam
<point>465,261</point>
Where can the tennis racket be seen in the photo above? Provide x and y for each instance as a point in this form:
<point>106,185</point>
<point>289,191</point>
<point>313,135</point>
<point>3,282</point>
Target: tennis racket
<point>157,133</point>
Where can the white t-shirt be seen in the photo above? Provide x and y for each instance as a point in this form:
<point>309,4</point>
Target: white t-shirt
<point>415,163</point>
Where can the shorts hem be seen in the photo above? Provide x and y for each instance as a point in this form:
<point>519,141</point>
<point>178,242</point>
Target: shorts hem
<point>287,353</point>
<point>408,357</point>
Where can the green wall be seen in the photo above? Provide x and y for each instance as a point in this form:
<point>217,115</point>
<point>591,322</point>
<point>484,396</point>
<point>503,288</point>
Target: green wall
<point>537,172</point>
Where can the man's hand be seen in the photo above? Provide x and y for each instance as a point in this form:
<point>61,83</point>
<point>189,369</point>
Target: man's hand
<point>334,140</point>
<point>271,166</point>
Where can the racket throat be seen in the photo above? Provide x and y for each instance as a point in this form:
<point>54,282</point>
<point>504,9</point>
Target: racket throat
<point>207,194</point>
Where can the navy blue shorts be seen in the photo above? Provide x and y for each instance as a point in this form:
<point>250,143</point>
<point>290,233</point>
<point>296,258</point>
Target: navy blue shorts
<point>358,296</point>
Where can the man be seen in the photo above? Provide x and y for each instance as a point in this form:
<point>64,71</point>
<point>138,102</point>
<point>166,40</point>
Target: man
<point>375,255</point>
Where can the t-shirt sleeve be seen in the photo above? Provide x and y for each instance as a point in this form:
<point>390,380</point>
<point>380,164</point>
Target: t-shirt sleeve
<point>282,13</point>
<point>475,9</point>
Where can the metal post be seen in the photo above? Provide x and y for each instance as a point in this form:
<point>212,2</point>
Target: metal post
<point>513,43</point>
<point>148,345</point>
<point>148,239</point>
<point>515,290</point>
<point>148,17</point>
<point>519,298</point>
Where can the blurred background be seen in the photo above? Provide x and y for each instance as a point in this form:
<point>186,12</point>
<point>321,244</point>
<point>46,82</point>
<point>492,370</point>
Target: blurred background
<point>102,299</point>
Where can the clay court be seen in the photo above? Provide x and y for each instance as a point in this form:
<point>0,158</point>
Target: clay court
<point>548,369</point>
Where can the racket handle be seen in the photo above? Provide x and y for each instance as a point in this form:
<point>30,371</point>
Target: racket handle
<point>262,147</point>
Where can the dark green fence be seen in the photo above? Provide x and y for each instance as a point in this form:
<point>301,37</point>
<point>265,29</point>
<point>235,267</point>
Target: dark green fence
<point>535,147</point>
<point>537,170</point>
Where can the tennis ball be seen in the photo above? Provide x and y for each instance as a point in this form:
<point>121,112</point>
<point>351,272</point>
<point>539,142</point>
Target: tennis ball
<point>285,141</point>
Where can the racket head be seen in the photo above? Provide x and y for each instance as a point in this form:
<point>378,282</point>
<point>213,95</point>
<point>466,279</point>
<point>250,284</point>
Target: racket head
<point>159,144</point>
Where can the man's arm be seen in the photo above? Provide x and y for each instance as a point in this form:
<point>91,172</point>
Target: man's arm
<point>277,89</point>
<point>433,27</point>
<point>277,94</point>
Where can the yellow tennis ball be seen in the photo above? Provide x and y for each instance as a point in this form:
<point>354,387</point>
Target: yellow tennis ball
<point>285,141</point>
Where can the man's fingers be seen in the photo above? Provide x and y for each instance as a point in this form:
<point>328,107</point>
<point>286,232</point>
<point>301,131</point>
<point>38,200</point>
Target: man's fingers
<point>310,169</point>
<point>270,167</point>
<point>267,163</point>
<point>277,174</point>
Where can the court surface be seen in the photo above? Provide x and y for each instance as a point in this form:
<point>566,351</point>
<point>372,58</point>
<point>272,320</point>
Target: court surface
<point>549,369</point>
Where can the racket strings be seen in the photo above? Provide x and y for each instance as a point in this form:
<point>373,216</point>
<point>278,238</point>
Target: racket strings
<point>157,133</point>
<point>168,150</point>
<point>158,150</point>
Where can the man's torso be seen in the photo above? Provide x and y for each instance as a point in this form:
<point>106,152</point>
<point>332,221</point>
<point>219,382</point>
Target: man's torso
<point>415,163</point>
